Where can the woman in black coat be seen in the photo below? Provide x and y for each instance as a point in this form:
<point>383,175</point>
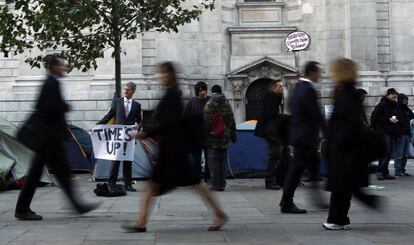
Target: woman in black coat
<point>349,152</point>
<point>177,135</point>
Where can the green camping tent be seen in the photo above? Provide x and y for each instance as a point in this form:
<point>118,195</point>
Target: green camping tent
<point>15,158</point>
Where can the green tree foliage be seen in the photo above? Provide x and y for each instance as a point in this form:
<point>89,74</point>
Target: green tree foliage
<point>81,30</point>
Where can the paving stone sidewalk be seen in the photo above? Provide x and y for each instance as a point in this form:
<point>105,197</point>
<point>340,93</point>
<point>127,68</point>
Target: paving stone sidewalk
<point>181,218</point>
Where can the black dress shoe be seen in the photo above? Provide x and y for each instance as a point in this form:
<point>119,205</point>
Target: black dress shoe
<point>29,215</point>
<point>292,209</point>
<point>129,188</point>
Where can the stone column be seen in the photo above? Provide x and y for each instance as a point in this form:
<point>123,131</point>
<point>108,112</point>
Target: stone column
<point>238,83</point>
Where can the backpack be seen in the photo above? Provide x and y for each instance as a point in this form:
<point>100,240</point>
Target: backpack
<point>103,189</point>
<point>218,124</point>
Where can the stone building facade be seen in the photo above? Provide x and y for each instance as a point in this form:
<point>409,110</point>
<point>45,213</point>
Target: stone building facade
<point>239,45</point>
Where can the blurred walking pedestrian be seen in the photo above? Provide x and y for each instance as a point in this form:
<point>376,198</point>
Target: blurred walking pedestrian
<point>44,133</point>
<point>350,147</point>
<point>403,141</point>
<point>272,126</point>
<point>384,119</point>
<point>220,127</point>
<point>195,106</point>
<point>174,167</point>
<point>304,129</point>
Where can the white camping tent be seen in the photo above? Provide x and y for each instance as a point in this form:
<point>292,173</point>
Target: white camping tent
<point>145,154</point>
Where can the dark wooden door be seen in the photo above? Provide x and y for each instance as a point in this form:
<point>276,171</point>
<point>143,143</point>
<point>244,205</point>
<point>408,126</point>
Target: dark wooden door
<point>254,98</point>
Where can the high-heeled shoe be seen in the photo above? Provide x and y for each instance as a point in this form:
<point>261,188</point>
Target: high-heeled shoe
<point>225,219</point>
<point>134,228</point>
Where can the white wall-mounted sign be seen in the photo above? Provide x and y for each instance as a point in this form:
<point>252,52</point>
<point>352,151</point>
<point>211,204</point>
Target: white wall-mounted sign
<point>297,41</point>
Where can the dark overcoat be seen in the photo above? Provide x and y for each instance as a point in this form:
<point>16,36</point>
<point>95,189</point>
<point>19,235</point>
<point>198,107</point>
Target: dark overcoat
<point>306,118</point>
<point>52,107</point>
<point>349,142</point>
<point>176,136</point>
<point>272,108</point>
<point>381,117</point>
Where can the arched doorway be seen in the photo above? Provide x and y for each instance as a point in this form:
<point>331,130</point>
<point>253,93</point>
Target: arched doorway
<point>254,98</point>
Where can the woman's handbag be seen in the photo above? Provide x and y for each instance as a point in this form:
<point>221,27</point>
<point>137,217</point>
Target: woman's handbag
<point>35,132</point>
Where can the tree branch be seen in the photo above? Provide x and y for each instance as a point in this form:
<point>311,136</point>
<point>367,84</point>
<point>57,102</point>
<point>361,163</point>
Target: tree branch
<point>129,22</point>
<point>104,16</point>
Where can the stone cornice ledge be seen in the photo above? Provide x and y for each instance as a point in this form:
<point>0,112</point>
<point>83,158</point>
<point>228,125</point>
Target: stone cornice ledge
<point>248,29</point>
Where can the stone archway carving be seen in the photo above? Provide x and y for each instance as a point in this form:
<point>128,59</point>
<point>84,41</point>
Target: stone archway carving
<point>265,68</point>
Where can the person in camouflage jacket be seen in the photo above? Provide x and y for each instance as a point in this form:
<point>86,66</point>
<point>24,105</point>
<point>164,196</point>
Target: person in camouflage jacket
<point>217,146</point>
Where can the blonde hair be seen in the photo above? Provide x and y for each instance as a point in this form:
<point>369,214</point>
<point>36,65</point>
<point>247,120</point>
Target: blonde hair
<point>344,71</point>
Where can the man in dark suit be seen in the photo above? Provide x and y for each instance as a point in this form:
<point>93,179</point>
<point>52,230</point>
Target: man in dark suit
<point>268,127</point>
<point>303,135</point>
<point>386,121</point>
<point>51,109</point>
<point>126,112</point>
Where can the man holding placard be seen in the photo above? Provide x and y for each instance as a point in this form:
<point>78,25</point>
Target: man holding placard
<point>126,112</point>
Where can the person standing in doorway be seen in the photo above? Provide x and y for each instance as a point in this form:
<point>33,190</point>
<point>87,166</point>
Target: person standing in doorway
<point>270,126</point>
<point>50,109</point>
<point>126,112</point>
<point>195,106</point>
<point>304,130</point>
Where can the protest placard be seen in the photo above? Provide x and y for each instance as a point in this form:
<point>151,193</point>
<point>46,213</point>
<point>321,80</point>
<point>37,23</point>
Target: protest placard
<point>113,142</point>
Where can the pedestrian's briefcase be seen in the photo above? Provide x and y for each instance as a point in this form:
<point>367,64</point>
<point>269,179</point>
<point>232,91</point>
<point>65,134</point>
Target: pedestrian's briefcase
<point>35,133</point>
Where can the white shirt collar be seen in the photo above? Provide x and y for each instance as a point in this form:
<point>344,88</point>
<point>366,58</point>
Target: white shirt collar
<point>125,100</point>
<point>306,80</point>
<point>57,78</point>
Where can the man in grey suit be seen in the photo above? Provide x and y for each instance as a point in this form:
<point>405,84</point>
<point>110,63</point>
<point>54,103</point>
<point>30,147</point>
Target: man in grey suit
<point>126,112</point>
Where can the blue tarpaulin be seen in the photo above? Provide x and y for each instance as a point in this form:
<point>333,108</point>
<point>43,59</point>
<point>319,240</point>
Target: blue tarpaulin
<point>249,155</point>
